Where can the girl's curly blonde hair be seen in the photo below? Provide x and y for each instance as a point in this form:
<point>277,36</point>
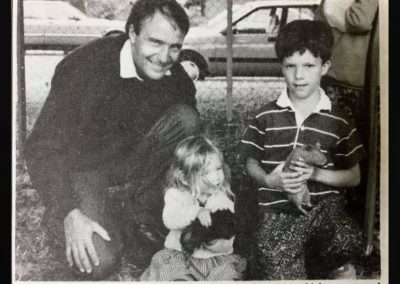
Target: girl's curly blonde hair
<point>187,168</point>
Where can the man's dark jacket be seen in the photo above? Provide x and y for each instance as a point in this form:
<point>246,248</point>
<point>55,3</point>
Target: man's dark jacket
<point>92,117</point>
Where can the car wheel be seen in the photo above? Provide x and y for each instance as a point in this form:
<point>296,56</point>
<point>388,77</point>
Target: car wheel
<point>194,65</point>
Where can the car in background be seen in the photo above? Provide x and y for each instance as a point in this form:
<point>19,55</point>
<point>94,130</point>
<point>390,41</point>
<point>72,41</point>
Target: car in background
<point>60,26</point>
<point>255,27</point>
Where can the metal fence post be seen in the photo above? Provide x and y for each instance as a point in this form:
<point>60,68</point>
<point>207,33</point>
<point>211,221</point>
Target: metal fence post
<point>229,81</point>
<point>20,73</point>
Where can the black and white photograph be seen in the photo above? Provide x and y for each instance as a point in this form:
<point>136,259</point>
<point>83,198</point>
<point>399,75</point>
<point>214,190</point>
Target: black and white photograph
<point>200,140</point>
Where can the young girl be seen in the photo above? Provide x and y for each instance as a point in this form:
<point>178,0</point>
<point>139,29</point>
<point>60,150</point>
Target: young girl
<point>198,184</point>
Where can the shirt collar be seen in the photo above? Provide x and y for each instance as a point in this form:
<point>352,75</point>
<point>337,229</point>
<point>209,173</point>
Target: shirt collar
<point>127,67</point>
<point>324,102</point>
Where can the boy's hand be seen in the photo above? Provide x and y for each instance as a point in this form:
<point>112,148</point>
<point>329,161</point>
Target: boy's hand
<point>307,171</point>
<point>286,181</point>
<point>204,217</point>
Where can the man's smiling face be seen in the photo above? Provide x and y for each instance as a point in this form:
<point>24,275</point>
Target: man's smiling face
<point>157,47</point>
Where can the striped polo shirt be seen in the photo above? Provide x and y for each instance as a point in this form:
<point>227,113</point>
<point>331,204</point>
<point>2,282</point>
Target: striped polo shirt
<point>277,129</point>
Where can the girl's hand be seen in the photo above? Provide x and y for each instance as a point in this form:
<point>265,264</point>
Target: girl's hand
<point>307,171</point>
<point>290,182</point>
<point>204,217</point>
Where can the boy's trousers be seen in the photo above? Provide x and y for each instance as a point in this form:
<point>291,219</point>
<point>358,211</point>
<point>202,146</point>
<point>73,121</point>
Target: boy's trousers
<point>289,246</point>
<point>143,174</point>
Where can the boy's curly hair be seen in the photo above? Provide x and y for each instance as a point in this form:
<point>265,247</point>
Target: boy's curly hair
<point>302,35</point>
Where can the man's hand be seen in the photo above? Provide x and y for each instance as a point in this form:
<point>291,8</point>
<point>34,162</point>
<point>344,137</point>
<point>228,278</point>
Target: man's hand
<point>290,182</point>
<point>78,235</point>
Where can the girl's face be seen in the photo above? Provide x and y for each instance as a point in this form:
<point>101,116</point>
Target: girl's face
<point>213,173</point>
<point>212,176</point>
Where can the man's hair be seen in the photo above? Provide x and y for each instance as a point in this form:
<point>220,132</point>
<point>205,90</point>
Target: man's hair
<point>144,9</point>
<point>302,35</point>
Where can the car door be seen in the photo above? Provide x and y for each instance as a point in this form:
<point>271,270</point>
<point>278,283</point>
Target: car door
<point>64,25</point>
<point>253,43</point>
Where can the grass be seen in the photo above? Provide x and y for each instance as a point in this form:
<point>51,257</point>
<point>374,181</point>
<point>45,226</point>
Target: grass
<point>33,258</point>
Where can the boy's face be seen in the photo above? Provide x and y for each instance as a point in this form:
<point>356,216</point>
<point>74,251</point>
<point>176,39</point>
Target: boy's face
<point>303,74</point>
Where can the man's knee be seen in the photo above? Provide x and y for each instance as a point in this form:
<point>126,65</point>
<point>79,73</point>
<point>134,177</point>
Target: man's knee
<point>109,254</point>
<point>188,117</point>
<point>105,269</point>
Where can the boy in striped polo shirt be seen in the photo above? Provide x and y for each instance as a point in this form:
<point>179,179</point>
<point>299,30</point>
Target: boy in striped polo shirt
<point>324,242</point>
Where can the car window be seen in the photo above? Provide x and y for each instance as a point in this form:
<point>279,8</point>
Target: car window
<point>261,21</point>
<point>305,13</point>
<point>221,17</point>
<point>33,12</point>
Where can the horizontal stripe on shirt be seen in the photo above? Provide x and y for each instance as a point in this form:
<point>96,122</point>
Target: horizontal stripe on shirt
<point>319,131</point>
<point>274,163</point>
<point>325,192</point>
<point>253,144</point>
<point>280,145</point>
<point>347,137</point>
<point>333,116</point>
<point>351,152</point>
<point>280,128</point>
<point>302,128</point>
<point>272,197</point>
<point>311,193</point>
<point>271,162</point>
<point>269,189</point>
<point>273,111</point>
<point>255,128</point>
<point>273,203</point>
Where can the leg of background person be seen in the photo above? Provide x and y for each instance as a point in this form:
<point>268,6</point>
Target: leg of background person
<point>148,166</point>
